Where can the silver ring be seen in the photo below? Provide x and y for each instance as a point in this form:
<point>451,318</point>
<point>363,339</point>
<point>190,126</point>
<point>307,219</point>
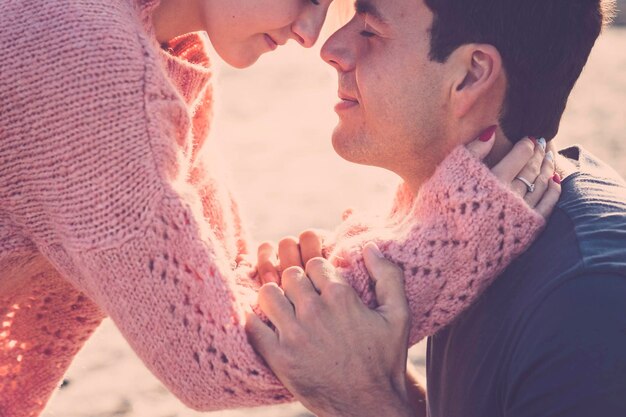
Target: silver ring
<point>530,187</point>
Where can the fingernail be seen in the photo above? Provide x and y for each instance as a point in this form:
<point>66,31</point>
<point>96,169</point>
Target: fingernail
<point>373,248</point>
<point>488,133</point>
<point>556,178</point>
<point>542,143</point>
<point>550,156</point>
<point>270,277</point>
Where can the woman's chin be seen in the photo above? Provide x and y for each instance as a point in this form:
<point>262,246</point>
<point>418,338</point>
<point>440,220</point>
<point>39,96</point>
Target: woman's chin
<point>240,60</point>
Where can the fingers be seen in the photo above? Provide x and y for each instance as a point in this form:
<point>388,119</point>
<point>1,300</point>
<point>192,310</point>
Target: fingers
<point>266,263</point>
<point>261,337</point>
<point>322,274</point>
<point>542,181</point>
<point>289,253</point>
<point>297,286</point>
<point>310,246</point>
<point>530,171</point>
<point>481,146</point>
<point>275,305</point>
<point>514,162</point>
<point>550,197</point>
<point>297,252</point>
<point>389,280</point>
<point>244,259</point>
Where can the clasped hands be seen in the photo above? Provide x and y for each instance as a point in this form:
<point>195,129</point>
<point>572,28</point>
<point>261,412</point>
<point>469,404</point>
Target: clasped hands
<point>334,354</point>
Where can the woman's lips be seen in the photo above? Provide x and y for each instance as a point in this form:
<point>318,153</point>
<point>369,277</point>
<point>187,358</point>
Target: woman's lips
<point>270,42</point>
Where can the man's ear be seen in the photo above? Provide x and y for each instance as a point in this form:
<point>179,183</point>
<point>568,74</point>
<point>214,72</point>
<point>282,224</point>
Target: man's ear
<point>476,70</point>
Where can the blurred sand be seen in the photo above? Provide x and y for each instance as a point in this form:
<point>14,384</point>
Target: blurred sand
<point>620,18</point>
<point>289,179</point>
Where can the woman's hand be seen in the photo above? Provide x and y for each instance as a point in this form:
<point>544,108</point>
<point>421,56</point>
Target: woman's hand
<point>292,251</point>
<point>527,170</point>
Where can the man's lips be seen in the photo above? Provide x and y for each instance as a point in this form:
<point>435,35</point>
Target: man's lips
<point>346,102</point>
<point>346,97</point>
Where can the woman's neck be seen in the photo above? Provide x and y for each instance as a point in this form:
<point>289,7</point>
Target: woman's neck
<point>173,18</point>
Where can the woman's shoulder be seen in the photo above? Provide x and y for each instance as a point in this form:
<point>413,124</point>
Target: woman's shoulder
<point>57,38</point>
<point>88,57</point>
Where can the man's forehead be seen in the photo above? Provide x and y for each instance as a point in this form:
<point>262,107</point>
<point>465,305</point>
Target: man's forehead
<point>389,11</point>
<point>370,7</point>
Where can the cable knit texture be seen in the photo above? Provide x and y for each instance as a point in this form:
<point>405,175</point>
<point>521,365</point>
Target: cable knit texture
<point>106,209</point>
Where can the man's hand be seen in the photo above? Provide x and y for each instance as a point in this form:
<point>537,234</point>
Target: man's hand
<point>336,356</point>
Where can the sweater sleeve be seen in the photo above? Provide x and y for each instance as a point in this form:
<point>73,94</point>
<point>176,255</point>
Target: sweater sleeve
<point>45,322</point>
<point>463,230</point>
<point>101,186</point>
<point>220,211</point>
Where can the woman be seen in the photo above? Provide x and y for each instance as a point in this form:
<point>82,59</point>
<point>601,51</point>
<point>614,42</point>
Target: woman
<point>107,210</point>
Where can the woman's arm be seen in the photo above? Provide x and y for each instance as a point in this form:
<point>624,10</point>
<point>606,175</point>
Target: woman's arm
<point>464,229</point>
<point>101,186</point>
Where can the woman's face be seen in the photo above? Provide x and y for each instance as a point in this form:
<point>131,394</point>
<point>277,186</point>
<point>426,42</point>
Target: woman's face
<point>242,30</point>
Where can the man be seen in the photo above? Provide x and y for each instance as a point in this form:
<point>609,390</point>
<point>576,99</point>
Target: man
<point>549,337</point>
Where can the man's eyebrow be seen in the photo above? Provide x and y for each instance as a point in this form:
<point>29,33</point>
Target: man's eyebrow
<point>366,7</point>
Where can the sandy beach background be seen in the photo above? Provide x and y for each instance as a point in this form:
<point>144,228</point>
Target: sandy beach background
<point>273,131</point>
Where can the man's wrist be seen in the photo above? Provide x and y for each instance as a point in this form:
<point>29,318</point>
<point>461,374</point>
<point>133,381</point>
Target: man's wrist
<point>390,404</point>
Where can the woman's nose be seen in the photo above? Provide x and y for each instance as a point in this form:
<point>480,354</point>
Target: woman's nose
<point>307,28</point>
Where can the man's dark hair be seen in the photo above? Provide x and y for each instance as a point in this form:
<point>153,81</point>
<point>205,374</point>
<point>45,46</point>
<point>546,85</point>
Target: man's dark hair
<point>544,46</point>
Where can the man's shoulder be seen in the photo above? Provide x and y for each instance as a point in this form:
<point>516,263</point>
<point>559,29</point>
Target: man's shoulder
<point>585,237</point>
<point>594,188</point>
<point>555,317</point>
<point>575,271</point>
<point>590,219</point>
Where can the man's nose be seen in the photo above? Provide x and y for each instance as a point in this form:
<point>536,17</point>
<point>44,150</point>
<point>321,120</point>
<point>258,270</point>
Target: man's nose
<point>337,53</point>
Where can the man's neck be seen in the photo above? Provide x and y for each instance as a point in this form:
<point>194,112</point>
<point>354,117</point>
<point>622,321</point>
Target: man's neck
<point>501,147</point>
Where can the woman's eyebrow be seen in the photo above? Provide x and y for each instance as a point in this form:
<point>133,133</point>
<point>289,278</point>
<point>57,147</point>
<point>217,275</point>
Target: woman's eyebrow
<point>367,7</point>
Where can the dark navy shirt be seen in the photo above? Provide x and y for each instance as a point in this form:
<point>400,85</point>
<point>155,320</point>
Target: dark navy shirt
<point>548,338</point>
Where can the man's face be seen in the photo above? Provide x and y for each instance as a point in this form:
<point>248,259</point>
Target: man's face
<point>393,97</point>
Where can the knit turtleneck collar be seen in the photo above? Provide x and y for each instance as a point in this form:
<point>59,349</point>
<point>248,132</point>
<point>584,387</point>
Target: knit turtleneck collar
<point>188,65</point>
<point>185,57</point>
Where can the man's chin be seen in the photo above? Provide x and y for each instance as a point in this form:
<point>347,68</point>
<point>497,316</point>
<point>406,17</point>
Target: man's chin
<point>351,147</point>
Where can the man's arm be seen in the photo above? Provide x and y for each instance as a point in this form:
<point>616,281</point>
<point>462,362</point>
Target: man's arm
<point>335,355</point>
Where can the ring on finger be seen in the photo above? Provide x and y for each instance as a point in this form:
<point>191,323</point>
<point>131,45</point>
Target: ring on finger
<point>530,187</point>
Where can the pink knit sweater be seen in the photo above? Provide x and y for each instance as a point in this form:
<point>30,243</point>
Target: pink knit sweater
<point>106,210</point>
